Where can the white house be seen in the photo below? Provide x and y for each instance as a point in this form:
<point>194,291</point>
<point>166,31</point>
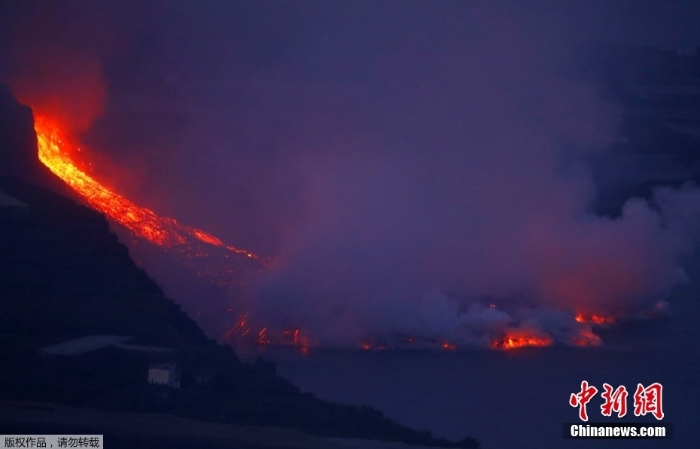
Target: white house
<point>164,374</point>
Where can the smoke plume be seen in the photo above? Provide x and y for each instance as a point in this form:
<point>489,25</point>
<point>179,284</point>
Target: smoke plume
<point>417,170</point>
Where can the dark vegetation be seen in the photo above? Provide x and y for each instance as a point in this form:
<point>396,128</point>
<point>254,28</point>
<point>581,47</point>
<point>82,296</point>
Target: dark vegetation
<point>64,275</point>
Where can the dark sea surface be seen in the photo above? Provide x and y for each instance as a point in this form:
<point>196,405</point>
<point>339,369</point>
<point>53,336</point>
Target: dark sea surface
<point>519,399</point>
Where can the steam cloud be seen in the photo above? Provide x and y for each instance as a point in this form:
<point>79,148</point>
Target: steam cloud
<point>408,167</point>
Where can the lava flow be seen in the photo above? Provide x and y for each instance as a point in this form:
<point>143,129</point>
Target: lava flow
<point>192,243</point>
<point>520,341</point>
<point>185,242</point>
<point>240,333</point>
<point>211,257</point>
<point>596,319</point>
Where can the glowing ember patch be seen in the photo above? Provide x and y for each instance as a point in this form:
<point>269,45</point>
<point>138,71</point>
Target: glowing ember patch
<point>262,337</point>
<point>520,341</point>
<point>238,330</point>
<point>447,345</point>
<point>240,333</point>
<point>207,238</point>
<point>292,338</point>
<point>594,319</point>
<point>296,339</point>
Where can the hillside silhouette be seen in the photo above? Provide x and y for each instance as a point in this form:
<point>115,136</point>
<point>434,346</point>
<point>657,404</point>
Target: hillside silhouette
<point>65,275</point>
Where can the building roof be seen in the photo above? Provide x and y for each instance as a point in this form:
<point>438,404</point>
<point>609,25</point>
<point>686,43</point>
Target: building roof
<point>10,201</point>
<point>93,342</point>
<point>84,344</point>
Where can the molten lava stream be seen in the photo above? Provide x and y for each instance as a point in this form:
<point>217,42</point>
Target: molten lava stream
<point>596,319</point>
<point>162,231</point>
<point>207,254</point>
<point>520,341</point>
<point>194,245</point>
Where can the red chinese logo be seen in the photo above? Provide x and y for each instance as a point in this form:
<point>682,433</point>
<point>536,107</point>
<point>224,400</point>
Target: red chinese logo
<point>646,400</point>
<point>614,401</point>
<point>581,399</point>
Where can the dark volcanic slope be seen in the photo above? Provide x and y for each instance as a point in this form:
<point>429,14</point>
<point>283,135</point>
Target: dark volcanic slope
<point>65,275</point>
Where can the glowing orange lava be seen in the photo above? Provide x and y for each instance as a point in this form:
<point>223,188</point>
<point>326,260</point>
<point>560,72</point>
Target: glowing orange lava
<point>520,341</point>
<point>192,244</point>
<point>189,244</point>
<point>54,152</point>
<point>594,319</point>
